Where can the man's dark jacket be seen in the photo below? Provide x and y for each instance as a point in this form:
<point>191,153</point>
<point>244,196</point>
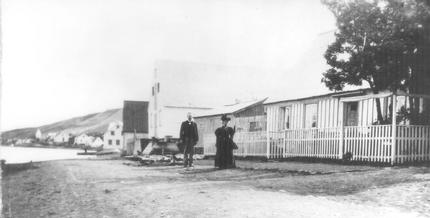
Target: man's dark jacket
<point>189,130</point>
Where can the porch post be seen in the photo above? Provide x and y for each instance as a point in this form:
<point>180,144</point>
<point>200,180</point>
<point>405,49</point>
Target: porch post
<point>267,142</point>
<point>341,133</point>
<point>341,137</point>
<point>393,130</point>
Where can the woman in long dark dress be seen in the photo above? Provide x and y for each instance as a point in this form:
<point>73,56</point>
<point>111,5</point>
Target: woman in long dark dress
<point>224,148</point>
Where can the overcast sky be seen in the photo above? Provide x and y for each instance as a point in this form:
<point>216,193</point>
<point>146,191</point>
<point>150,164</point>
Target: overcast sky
<point>66,58</point>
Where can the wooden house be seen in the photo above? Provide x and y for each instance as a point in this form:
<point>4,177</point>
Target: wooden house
<point>357,125</point>
<point>135,126</point>
<point>247,117</point>
<point>113,138</point>
<point>342,124</point>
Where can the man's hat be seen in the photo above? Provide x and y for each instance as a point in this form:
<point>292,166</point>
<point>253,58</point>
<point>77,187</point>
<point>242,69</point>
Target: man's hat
<point>225,118</point>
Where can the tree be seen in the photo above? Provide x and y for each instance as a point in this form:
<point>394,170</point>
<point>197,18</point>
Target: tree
<point>384,43</point>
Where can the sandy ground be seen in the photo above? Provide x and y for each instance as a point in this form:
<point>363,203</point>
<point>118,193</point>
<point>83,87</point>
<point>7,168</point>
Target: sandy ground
<point>118,188</point>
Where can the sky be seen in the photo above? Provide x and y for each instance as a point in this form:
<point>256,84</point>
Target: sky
<point>67,58</point>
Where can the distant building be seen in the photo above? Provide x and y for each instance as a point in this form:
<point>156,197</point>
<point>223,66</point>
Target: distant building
<point>61,137</point>
<point>38,134</point>
<point>135,126</point>
<point>50,136</point>
<point>113,139</point>
<point>83,139</point>
<point>97,142</point>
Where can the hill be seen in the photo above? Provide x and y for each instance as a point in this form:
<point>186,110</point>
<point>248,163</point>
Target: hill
<point>91,123</point>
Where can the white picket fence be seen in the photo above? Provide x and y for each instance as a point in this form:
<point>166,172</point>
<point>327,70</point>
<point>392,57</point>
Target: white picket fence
<point>364,143</point>
<point>249,143</point>
<point>412,144</point>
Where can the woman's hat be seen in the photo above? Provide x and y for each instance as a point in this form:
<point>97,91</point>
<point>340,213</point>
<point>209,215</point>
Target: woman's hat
<point>225,118</point>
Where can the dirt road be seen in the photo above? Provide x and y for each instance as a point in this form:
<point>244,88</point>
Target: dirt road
<point>117,188</point>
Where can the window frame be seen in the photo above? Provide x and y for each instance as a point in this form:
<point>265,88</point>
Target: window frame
<point>305,121</point>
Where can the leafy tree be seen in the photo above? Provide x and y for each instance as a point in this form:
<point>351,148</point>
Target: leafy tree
<point>384,43</point>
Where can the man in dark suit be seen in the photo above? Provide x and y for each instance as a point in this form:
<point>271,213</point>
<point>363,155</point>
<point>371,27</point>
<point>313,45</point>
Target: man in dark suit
<point>188,136</point>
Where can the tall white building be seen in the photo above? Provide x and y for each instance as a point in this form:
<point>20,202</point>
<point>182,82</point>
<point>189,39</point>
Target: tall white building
<point>38,134</point>
<point>112,138</point>
<point>182,87</point>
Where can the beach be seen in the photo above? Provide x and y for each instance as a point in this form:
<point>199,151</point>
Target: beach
<point>106,187</point>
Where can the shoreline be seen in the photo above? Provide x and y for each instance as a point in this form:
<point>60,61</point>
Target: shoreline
<point>41,146</point>
<point>21,155</point>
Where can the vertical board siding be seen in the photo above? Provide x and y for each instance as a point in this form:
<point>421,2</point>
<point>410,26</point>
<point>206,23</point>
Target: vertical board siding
<point>366,142</point>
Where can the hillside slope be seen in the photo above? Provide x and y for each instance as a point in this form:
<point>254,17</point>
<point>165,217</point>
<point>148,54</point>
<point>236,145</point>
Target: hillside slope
<point>91,123</point>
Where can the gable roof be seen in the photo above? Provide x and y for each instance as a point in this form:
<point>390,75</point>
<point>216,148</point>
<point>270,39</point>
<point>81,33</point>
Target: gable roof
<point>230,109</point>
<point>135,117</point>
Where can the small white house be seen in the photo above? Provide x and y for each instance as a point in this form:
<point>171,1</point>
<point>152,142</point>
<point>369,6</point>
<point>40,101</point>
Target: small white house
<point>97,142</point>
<point>62,137</point>
<point>113,136</point>
<point>83,139</point>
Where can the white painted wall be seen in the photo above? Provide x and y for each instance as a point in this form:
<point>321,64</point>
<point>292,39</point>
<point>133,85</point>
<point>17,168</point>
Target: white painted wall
<point>97,142</point>
<point>330,111</point>
<point>116,129</point>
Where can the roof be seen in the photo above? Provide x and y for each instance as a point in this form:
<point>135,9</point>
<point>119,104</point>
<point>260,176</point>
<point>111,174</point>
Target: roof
<point>230,109</point>
<point>332,94</point>
<point>187,107</point>
<point>135,117</point>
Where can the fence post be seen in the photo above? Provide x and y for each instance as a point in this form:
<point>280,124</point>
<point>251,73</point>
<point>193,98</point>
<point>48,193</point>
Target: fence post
<point>342,129</point>
<point>393,130</point>
<point>284,153</point>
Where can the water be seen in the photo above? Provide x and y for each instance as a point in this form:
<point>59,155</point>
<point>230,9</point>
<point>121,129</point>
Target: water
<point>23,154</point>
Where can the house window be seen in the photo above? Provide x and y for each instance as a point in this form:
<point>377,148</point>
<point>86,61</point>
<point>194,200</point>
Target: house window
<point>112,132</point>
<point>287,118</point>
<point>252,126</point>
<point>153,91</point>
<point>311,115</point>
<point>110,142</point>
<point>158,87</point>
<point>351,114</point>
<point>117,142</point>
